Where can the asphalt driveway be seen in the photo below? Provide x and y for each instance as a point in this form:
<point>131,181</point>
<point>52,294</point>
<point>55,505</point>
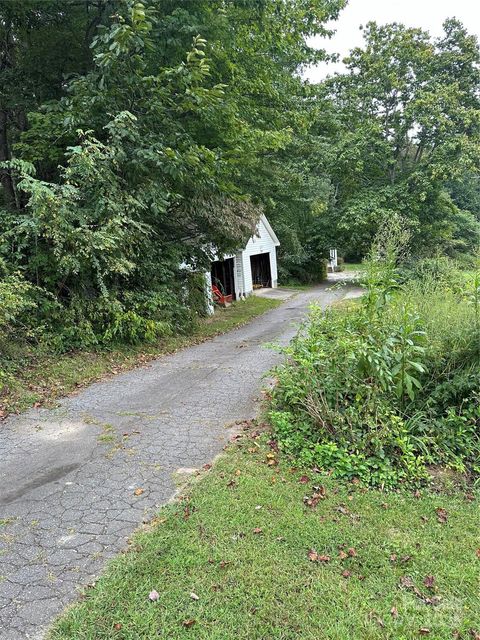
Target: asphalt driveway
<point>77,480</point>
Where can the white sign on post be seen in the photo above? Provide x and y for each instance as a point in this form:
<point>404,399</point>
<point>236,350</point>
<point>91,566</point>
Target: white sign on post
<point>333,263</point>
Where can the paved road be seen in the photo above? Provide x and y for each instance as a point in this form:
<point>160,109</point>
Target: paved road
<point>68,476</point>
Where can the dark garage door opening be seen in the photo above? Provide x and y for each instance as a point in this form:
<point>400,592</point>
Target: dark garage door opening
<point>261,273</point>
<point>223,278</point>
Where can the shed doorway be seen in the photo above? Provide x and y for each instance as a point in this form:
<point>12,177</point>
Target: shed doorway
<point>261,271</point>
<point>223,276</point>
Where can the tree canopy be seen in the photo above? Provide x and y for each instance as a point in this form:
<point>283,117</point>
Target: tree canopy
<point>135,138</point>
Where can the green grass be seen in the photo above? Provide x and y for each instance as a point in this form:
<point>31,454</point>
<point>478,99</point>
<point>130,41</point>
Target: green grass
<point>353,266</point>
<point>50,376</point>
<point>239,539</point>
<point>298,286</point>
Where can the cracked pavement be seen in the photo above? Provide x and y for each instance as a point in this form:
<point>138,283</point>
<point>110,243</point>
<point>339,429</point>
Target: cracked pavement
<point>68,475</point>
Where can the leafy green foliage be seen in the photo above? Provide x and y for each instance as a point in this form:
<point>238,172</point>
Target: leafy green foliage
<point>148,157</point>
<point>158,136</point>
<point>407,125</point>
<point>381,390</point>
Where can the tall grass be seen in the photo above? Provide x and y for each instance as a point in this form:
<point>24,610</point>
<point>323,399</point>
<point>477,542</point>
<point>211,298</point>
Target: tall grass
<point>383,390</point>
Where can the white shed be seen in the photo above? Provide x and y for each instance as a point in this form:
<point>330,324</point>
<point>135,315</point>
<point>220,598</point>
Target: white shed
<point>254,266</point>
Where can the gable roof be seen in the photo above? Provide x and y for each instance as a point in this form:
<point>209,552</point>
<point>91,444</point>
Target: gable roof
<point>271,232</point>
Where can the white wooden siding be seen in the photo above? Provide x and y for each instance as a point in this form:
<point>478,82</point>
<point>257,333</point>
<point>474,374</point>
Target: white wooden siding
<point>259,244</point>
<point>264,241</point>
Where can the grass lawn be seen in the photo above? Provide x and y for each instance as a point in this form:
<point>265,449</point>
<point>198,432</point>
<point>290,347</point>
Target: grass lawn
<point>230,560</point>
<point>353,266</point>
<point>47,377</point>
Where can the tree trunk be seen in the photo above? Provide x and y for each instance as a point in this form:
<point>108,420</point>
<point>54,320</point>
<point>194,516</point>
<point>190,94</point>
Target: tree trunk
<point>5,178</point>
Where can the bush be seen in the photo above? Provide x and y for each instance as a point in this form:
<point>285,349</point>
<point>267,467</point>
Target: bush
<point>17,301</point>
<point>381,390</point>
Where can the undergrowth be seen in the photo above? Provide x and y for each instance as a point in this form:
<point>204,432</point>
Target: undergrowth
<point>385,389</point>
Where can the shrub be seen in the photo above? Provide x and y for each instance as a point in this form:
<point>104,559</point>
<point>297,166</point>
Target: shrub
<point>17,302</point>
<point>382,389</point>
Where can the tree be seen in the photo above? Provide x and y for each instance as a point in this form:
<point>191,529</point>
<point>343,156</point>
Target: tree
<point>43,44</point>
<point>158,153</point>
<point>407,122</point>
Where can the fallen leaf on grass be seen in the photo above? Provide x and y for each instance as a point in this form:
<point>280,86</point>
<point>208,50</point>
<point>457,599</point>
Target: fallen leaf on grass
<point>394,612</point>
<point>442,515</point>
<point>314,499</point>
<point>304,479</point>
<point>429,581</point>
<point>352,553</point>
<point>153,595</point>
<point>313,556</point>
<point>423,631</point>
<point>138,492</point>
<point>188,623</point>
<point>194,596</point>
<point>374,616</point>
<point>477,553</point>
<point>342,555</point>
<point>407,583</point>
<point>257,530</point>
<point>346,574</point>
<point>475,634</point>
<point>343,510</point>
<point>117,626</point>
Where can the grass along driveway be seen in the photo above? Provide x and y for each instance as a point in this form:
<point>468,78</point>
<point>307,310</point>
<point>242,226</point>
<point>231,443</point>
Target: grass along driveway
<point>240,555</point>
<point>45,377</point>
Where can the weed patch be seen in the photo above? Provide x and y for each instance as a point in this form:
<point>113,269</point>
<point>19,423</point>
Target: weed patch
<point>380,390</point>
